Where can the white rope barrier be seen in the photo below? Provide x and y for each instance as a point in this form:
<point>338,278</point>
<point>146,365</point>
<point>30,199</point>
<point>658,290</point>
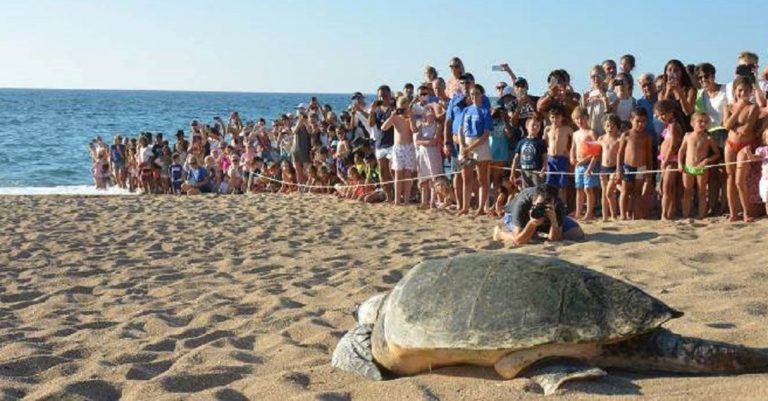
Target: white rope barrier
<point>342,186</point>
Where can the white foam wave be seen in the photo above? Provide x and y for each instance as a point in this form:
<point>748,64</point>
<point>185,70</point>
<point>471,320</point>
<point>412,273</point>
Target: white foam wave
<point>64,190</point>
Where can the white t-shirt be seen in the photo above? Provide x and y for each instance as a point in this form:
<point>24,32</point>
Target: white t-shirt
<point>597,109</point>
<point>624,109</point>
<point>146,154</point>
<point>714,106</point>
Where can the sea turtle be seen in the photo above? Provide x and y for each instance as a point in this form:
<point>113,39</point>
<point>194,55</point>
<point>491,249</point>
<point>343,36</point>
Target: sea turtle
<point>533,315</point>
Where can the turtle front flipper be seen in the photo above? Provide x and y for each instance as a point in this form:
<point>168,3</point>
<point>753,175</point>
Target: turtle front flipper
<point>353,353</point>
<point>550,374</point>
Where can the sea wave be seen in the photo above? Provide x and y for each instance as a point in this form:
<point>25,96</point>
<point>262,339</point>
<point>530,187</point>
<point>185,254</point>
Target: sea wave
<point>64,190</point>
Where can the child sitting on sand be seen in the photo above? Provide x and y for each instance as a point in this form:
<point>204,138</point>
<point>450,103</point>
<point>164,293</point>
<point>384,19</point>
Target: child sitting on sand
<point>444,195</point>
<point>288,178</point>
<point>696,152</point>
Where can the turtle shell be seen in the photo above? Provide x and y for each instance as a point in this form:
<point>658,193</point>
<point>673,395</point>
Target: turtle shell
<point>514,301</point>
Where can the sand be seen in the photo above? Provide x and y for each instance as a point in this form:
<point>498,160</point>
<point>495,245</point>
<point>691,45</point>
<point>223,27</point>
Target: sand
<point>235,298</point>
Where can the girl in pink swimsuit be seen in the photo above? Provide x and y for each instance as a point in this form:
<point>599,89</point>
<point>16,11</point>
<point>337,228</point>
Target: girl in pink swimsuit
<point>672,139</point>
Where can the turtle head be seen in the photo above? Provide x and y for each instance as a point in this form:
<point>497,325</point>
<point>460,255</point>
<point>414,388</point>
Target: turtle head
<point>368,311</point>
<point>353,353</point>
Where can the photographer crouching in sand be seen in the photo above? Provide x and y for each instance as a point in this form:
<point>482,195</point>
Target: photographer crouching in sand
<point>536,211</point>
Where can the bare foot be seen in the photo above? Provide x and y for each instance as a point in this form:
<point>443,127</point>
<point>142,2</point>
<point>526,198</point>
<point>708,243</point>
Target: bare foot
<point>462,212</point>
<point>733,218</point>
<point>496,233</point>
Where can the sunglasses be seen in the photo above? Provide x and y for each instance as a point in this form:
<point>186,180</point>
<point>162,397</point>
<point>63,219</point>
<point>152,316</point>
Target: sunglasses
<point>500,87</point>
<point>453,66</point>
<point>704,76</point>
<point>424,94</point>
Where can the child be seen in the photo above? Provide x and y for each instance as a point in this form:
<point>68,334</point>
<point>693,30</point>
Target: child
<point>144,158</point>
<point>235,174</point>
<point>635,156</point>
<point>608,176</point>
<point>404,153</point>
<point>697,151</point>
<point>312,181</point>
<point>584,154</point>
<point>288,178</point>
<point>253,179</point>
<point>671,136</point>
<point>444,196</point>
<point>176,172</point>
<point>428,158</point>
<point>117,161</point>
<point>531,156</point>
<point>324,179</point>
<point>163,163</point>
<point>98,170</point>
<point>372,176</point>
<point>761,154</point>
<point>741,121</point>
<point>558,138</point>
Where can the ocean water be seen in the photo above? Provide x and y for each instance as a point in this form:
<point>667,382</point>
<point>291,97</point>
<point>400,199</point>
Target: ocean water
<point>44,133</point>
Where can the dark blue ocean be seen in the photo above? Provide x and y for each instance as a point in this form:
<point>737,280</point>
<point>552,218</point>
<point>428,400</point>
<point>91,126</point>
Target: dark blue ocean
<point>44,133</point>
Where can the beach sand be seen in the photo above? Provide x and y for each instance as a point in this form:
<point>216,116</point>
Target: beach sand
<point>235,298</point>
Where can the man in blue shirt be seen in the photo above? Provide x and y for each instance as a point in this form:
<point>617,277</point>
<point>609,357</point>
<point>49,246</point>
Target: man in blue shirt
<point>197,179</point>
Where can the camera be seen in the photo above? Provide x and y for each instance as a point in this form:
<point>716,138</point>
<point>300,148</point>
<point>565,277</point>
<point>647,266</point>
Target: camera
<point>400,112</point>
<point>539,211</point>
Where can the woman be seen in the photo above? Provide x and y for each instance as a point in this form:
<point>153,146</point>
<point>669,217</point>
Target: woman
<point>680,90</point>
<point>712,100</point>
<point>234,126</point>
<point>302,146</point>
<point>430,74</point>
<point>453,84</point>
<point>473,145</point>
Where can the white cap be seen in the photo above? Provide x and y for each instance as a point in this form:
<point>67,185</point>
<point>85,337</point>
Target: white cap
<point>301,106</point>
<point>506,91</point>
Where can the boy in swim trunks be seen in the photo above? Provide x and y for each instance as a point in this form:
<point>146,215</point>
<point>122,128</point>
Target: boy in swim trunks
<point>697,151</point>
<point>634,156</point>
<point>558,138</point>
<point>609,178</point>
<point>584,158</point>
<point>403,151</point>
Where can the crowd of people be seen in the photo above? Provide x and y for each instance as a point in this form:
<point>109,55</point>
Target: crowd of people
<point>683,145</point>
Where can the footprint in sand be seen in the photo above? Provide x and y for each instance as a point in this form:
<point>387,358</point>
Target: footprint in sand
<point>94,390</point>
<point>192,383</point>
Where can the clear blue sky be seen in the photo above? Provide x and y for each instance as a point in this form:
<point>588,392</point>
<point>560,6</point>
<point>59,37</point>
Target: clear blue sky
<point>347,45</point>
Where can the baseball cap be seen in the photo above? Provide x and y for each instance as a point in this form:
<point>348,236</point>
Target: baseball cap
<point>301,106</point>
<point>467,77</point>
<point>520,81</point>
<point>357,95</point>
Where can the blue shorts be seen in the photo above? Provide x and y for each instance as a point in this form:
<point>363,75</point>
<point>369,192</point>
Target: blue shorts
<point>557,164</point>
<point>176,185</point>
<point>582,181</point>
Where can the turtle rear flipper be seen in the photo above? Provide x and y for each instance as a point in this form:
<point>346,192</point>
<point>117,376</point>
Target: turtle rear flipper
<point>552,373</point>
<point>353,353</point>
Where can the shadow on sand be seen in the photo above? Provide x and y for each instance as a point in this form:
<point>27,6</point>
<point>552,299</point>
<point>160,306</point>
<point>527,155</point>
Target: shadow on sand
<point>617,238</point>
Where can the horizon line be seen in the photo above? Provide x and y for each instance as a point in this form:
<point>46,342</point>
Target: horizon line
<point>174,90</point>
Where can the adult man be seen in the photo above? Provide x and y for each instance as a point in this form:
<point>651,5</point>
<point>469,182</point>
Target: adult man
<point>750,61</point>
<point>560,93</point>
<point>384,139</point>
<point>358,123</point>
<point>650,97</point>
<point>537,210</point>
